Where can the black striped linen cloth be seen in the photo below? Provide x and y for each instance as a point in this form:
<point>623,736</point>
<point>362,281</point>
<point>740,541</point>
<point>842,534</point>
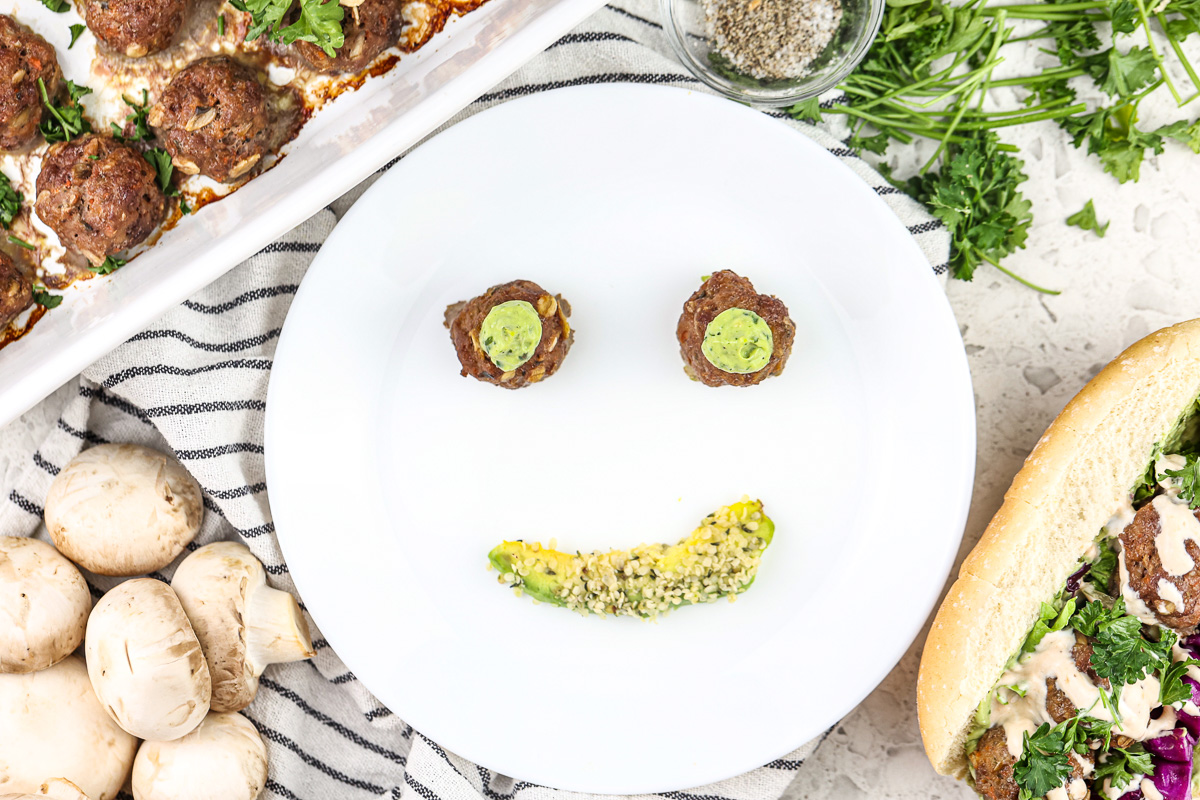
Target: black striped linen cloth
<point>195,384</point>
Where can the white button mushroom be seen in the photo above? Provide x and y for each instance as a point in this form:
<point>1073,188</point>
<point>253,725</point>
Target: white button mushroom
<point>123,509</point>
<point>52,726</point>
<point>55,788</point>
<point>243,623</point>
<point>223,759</point>
<point>44,605</point>
<point>145,661</point>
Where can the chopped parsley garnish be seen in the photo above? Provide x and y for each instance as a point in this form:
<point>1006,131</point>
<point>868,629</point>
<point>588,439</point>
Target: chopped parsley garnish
<point>20,242</point>
<point>184,208</point>
<point>76,32</point>
<point>10,201</point>
<point>57,6</point>
<point>161,161</point>
<point>141,128</point>
<point>111,264</point>
<point>319,22</point>
<point>1172,689</point>
<point>1045,761</point>
<point>45,299</point>
<point>64,123</point>
<point>1121,764</point>
<point>1188,478</point>
<point>1119,651</point>
<point>221,25</point>
<point>1085,219</point>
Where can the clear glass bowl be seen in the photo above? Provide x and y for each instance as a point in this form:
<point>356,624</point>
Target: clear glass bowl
<point>685,28</point>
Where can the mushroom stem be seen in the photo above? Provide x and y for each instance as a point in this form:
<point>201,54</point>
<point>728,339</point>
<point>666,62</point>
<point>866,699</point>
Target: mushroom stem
<point>276,632</point>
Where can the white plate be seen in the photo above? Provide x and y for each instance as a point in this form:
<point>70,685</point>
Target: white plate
<point>343,144</point>
<point>391,476</point>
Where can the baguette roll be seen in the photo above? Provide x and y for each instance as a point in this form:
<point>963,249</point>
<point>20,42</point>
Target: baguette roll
<point>1081,471</point>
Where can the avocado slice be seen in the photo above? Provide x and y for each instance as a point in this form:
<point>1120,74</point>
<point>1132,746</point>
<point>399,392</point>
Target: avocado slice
<point>720,558</point>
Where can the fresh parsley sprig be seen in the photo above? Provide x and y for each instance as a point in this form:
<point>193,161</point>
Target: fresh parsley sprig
<point>140,129</point>
<point>45,299</point>
<point>1121,764</point>
<point>110,264</point>
<point>1085,219</point>
<point>10,202</point>
<point>64,123</point>
<point>1188,477</point>
<point>1045,761</point>
<point>1119,651</point>
<point>319,22</point>
<point>1172,689</point>
<point>160,159</point>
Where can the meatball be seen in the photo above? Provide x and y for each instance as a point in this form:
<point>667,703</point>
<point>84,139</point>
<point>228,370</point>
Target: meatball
<point>993,766</point>
<point>1082,653</point>
<point>1146,571</point>
<point>494,361</point>
<point>99,195</point>
<point>16,290</point>
<point>213,119</point>
<point>24,58</point>
<point>370,28</point>
<point>1058,705</point>
<point>135,28</point>
<point>725,292</point>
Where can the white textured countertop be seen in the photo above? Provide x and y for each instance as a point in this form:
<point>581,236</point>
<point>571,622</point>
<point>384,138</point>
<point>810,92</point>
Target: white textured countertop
<point>1028,355</point>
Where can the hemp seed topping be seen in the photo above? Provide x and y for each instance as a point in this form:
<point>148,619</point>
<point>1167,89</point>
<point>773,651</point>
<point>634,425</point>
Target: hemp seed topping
<point>719,559</point>
<point>771,39</point>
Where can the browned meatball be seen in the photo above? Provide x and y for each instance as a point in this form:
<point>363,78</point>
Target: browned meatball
<point>464,319</point>
<point>16,290</point>
<point>1082,653</point>
<point>135,28</point>
<point>993,766</point>
<point>213,119</point>
<point>1146,570</point>
<point>99,195</point>
<point>24,57</point>
<point>723,291</point>
<point>1058,705</point>
<point>370,29</point>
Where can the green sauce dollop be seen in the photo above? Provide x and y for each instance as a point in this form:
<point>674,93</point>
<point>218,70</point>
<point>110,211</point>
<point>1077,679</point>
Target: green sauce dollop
<point>738,341</point>
<point>510,333</point>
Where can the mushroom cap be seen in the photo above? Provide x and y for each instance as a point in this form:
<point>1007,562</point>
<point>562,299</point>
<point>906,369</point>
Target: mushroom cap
<point>242,623</point>
<point>123,509</point>
<point>145,661</point>
<point>53,726</point>
<point>44,605</point>
<point>55,788</point>
<point>223,759</point>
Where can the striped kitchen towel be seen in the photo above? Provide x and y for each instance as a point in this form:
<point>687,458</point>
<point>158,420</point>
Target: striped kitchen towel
<point>195,383</point>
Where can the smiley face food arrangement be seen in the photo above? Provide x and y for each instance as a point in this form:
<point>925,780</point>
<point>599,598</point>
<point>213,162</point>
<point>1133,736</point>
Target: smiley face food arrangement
<point>516,334</point>
<point>1065,661</point>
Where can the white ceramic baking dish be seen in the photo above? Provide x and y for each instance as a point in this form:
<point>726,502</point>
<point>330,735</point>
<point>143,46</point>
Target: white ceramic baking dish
<point>340,146</point>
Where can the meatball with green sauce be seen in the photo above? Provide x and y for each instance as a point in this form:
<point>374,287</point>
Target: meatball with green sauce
<point>730,335</point>
<point>512,335</point>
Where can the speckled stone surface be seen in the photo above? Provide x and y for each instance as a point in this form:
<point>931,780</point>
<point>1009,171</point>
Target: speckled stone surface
<point>1028,355</point>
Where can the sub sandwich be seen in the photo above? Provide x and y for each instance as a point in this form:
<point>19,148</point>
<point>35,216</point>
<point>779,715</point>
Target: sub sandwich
<point>1065,660</point>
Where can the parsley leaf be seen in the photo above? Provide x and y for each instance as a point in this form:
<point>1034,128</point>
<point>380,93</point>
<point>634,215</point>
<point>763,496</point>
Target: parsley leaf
<point>45,299</point>
<point>10,201</point>
<point>1172,689</point>
<point>141,126</point>
<point>1085,218</point>
<point>1121,74</point>
<point>1119,652</point>
<point>57,6</point>
<point>76,32</point>
<point>319,22</point>
<point>111,264</point>
<point>1121,764</point>
<point>809,109</point>
<point>1100,575</point>
<point>19,242</point>
<point>160,159</point>
<point>1188,478</point>
<point>64,123</point>
<point>1045,761</point>
<point>1183,132</point>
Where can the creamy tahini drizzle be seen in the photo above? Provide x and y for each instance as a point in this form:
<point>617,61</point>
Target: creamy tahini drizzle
<point>1177,526</point>
<point>1054,657</point>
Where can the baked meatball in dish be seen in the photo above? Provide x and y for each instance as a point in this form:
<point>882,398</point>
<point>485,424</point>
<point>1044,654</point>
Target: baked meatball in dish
<point>370,28</point>
<point>729,335</point>
<point>135,28</point>
<point>99,195</point>
<point>213,119</point>
<point>16,290</point>
<point>512,335</point>
<point>24,58</point>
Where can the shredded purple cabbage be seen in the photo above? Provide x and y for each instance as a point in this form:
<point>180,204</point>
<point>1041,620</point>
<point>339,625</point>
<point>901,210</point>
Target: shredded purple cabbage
<point>1176,746</point>
<point>1076,577</point>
